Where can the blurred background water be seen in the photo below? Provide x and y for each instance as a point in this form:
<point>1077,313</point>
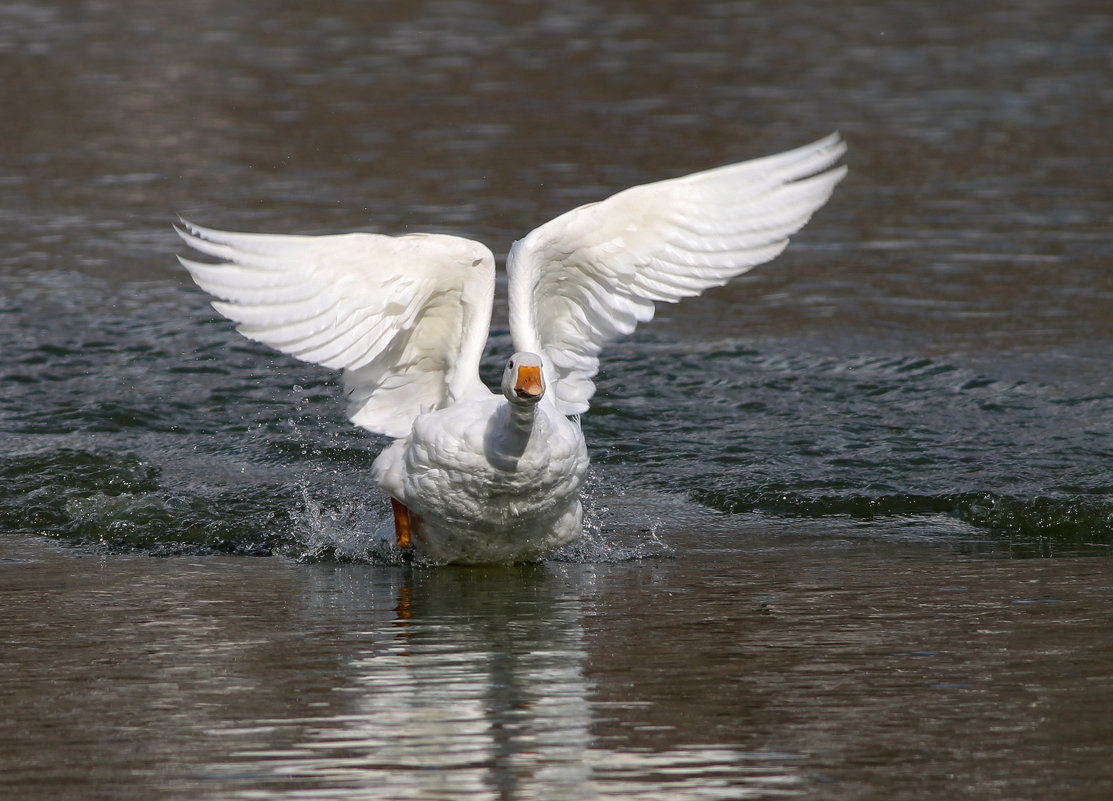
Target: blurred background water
<point>807,486</point>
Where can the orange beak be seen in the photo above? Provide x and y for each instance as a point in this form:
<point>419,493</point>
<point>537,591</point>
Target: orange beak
<point>529,383</point>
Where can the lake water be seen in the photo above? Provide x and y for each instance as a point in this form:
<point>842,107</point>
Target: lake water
<point>850,518</point>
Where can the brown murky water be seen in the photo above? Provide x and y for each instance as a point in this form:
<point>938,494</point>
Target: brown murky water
<point>799,666</point>
<point>851,515</point>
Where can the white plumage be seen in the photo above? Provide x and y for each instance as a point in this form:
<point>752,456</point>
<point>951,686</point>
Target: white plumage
<point>477,476</point>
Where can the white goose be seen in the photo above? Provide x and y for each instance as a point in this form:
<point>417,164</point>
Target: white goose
<point>478,477</point>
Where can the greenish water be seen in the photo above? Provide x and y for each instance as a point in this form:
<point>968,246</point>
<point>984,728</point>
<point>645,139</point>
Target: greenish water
<point>147,423</point>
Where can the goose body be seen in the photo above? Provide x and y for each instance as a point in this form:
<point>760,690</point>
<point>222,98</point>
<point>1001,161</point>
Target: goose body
<point>477,476</point>
<point>488,480</point>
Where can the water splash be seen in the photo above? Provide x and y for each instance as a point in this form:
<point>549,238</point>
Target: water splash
<point>347,531</point>
<point>358,531</point>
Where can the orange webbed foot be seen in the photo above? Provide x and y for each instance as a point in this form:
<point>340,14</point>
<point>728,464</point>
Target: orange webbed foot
<point>401,523</point>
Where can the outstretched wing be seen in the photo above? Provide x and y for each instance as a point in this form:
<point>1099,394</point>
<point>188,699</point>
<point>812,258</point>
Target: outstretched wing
<point>405,318</point>
<point>593,273</point>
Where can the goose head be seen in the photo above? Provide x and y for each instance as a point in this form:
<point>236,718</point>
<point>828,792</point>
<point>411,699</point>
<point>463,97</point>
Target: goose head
<point>523,381</point>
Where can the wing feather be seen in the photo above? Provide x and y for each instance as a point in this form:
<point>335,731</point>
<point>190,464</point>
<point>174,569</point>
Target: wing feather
<point>405,318</point>
<point>592,274</point>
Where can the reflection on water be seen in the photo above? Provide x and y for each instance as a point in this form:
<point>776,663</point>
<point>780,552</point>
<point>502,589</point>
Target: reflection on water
<point>802,667</point>
<point>474,687</point>
<point>263,679</point>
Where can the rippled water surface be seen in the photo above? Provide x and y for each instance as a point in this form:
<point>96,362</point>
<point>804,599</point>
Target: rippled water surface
<point>817,493</point>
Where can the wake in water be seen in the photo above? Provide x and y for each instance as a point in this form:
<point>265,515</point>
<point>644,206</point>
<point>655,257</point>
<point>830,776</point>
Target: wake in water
<point>206,459</point>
